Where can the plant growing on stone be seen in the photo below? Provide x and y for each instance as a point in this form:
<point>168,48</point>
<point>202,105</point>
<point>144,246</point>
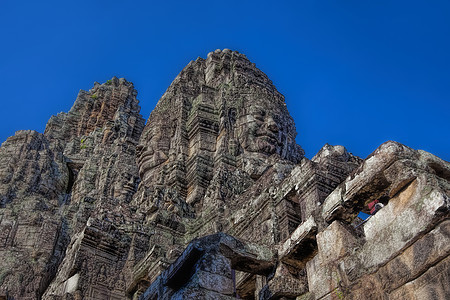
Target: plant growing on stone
<point>83,145</point>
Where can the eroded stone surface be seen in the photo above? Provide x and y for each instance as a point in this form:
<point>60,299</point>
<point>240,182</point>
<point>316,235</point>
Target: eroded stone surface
<point>65,198</point>
<point>399,243</point>
<point>99,207</point>
<point>33,181</point>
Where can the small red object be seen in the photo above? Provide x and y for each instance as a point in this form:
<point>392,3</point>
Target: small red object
<point>372,206</point>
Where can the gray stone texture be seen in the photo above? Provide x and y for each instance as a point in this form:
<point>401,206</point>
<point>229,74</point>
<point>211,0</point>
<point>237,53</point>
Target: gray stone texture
<point>212,198</point>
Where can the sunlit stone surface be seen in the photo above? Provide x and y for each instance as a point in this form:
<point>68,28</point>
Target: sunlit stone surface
<point>213,199</point>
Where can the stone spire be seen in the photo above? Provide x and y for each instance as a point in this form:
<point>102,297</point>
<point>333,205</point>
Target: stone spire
<point>219,114</point>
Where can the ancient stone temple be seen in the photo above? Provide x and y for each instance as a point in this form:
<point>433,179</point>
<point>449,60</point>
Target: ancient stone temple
<point>212,198</point>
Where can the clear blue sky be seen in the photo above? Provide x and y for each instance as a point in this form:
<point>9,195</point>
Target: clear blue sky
<point>355,73</point>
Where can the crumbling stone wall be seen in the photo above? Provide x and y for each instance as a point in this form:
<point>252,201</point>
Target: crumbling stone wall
<point>403,246</point>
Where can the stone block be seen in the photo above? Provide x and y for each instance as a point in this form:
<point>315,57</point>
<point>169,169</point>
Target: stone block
<point>335,242</point>
<point>301,246</point>
<point>214,282</point>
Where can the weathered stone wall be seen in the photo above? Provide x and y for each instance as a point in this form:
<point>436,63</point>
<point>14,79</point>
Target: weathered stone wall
<point>219,136</point>
<point>100,134</point>
<point>56,188</point>
<point>399,247</point>
<point>401,252</point>
<point>213,199</point>
<point>33,181</point>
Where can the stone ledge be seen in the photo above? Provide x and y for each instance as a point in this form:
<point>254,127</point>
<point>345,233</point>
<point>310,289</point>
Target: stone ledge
<point>301,246</point>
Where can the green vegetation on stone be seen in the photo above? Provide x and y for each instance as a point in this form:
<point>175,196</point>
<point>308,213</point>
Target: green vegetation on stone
<point>82,144</point>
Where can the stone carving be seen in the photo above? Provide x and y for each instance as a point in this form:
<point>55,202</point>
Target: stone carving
<point>81,171</point>
<point>397,250</point>
<point>212,122</point>
<point>213,198</point>
<point>33,177</point>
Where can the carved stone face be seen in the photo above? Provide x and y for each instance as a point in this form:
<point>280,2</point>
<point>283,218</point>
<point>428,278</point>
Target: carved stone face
<point>125,186</point>
<point>212,116</point>
<point>154,152</point>
<point>259,130</point>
